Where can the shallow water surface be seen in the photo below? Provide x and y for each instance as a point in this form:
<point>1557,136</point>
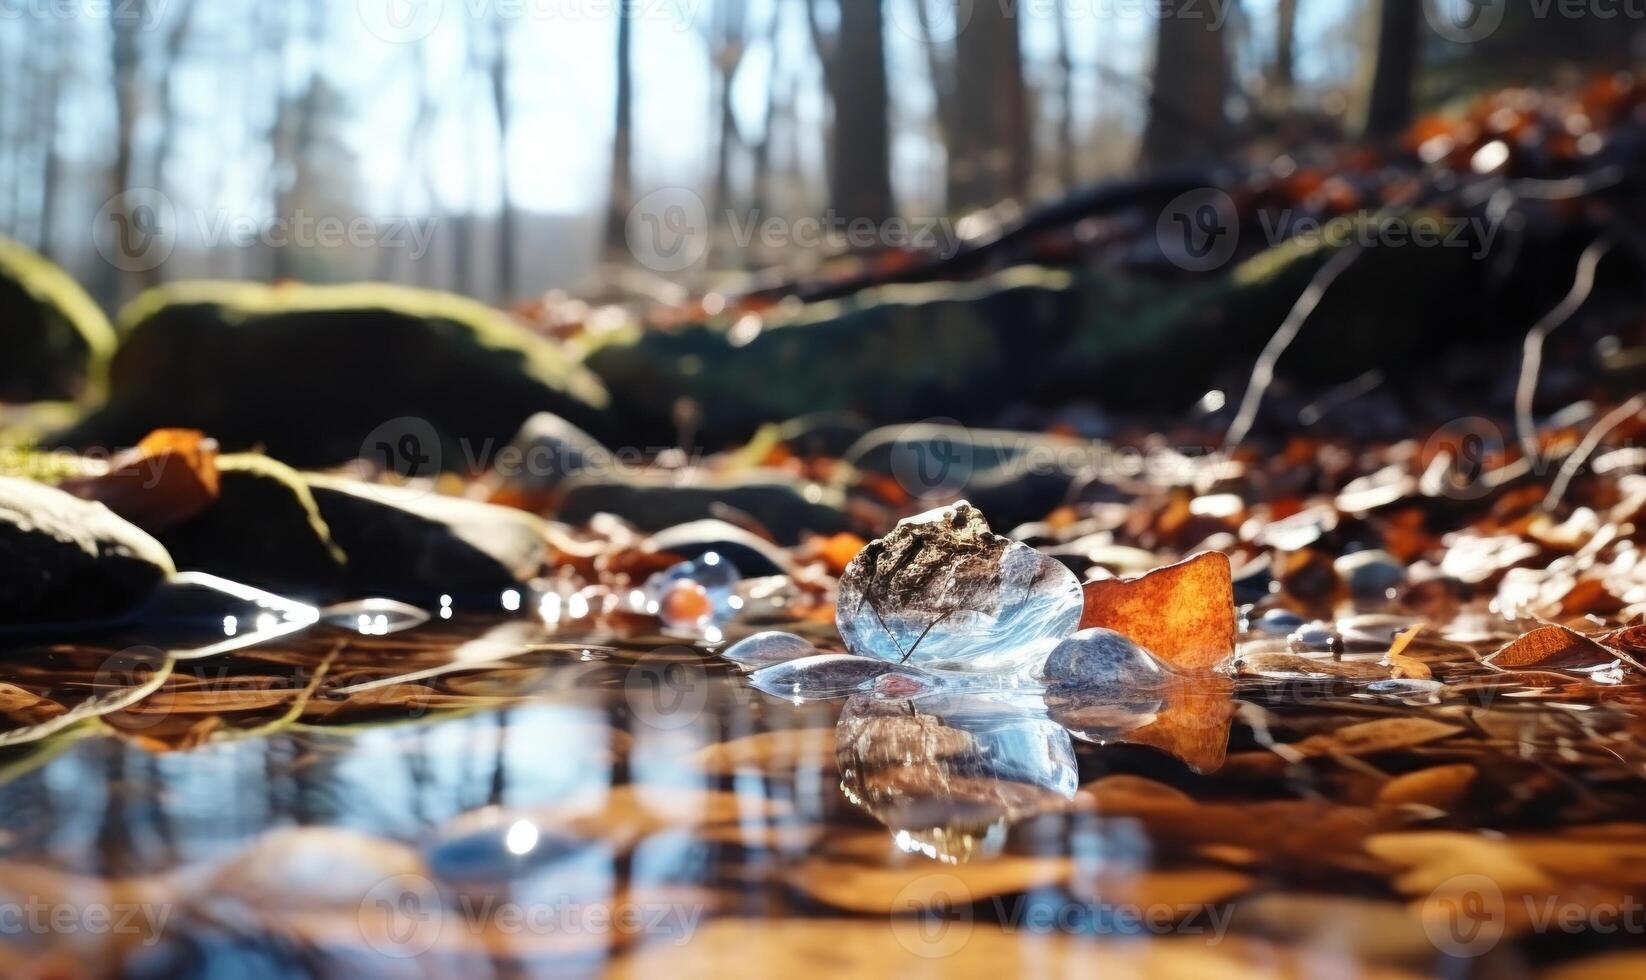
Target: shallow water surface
<point>480,796</point>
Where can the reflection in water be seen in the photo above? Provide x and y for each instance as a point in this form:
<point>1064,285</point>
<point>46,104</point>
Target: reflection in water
<point>947,772</point>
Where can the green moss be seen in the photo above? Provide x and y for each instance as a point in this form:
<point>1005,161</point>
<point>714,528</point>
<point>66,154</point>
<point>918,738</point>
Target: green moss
<point>54,336</point>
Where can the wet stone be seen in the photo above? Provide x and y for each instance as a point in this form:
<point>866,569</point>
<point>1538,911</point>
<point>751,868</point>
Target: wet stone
<point>1371,574</point>
<point>944,591</point>
<point>65,559</point>
<point>1278,622</point>
<point>1102,661</point>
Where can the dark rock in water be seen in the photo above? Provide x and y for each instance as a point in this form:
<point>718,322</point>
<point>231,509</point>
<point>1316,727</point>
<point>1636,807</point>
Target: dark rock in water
<point>404,545</point>
<point>752,555</point>
<point>547,451</point>
<point>264,529</point>
<point>319,375</point>
<point>55,337</point>
<point>780,503</point>
<point>64,559</point>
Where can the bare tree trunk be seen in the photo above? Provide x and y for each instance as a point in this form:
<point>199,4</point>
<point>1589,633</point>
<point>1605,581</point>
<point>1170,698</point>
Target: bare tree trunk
<point>1389,105</point>
<point>175,41</point>
<point>507,219</point>
<point>621,198</point>
<point>760,190</point>
<point>1067,170</point>
<point>1191,86</point>
<point>860,182</point>
<point>124,30</point>
<point>1282,71</point>
<point>51,164</point>
<point>989,153</point>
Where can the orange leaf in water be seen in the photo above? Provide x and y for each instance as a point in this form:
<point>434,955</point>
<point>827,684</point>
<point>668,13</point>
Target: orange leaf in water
<point>1182,613</point>
<point>1551,648</point>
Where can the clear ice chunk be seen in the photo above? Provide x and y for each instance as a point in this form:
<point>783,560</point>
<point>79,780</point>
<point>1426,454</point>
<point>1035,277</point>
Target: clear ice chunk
<point>943,591</point>
<point>770,647</point>
<point>826,675</point>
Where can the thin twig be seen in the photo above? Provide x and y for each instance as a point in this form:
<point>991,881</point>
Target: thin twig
<point>1531,361</point>
<point>1569,469</point>
<point>1264,370</point>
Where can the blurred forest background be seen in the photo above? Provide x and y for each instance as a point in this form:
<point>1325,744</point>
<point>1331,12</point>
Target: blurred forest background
<point>497,147</point>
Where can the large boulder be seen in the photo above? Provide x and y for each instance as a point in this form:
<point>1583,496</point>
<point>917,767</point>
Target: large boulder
<point>418,546</point>
<point>263,529</point>
<point>63,559</point>
<point>782,504</point>
<point>317,375</point>
<point>54,337</point>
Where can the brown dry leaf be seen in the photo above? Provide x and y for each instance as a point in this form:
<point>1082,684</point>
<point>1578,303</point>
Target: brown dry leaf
<point>1402,666</point>
<point>26,707</point>
<point>1550,648</point>
<point>1372,737</point>
<point>1283,666</point>
<point>1441,787</point>
<point>802,949</point>
<point>1183,613</point>
<point>781,752</point>
<point>1183,888</point>
<point>1623,965</point>
<point>886,889</point>
<point>1429,859</point>
<point>168,478</point>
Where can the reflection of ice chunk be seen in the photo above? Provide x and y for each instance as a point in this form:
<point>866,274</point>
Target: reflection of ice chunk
<point>769,647</point>
<point>826,675</point>
<point>944,591</point>
<point>947,772</point>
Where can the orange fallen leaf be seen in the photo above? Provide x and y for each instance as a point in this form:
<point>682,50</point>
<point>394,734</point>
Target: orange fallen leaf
<point>1402,666</point>
<point>170,476</point>
<point>1551,648</point>
<point>1182,613</point>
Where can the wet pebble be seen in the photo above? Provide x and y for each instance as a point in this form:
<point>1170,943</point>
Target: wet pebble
<point>1100,661</point>
<point>769,647</point>
<point>1278,622</point>
<point>1371,574</point>
<point>1316,638</point>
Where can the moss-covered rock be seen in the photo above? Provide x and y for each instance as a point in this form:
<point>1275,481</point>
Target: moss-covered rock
<point>63,559</point>
<point>785,506</point>
<point>315,374</point>
<point>419,547</point>
<point>54,337</point>
<point>264,529</point>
